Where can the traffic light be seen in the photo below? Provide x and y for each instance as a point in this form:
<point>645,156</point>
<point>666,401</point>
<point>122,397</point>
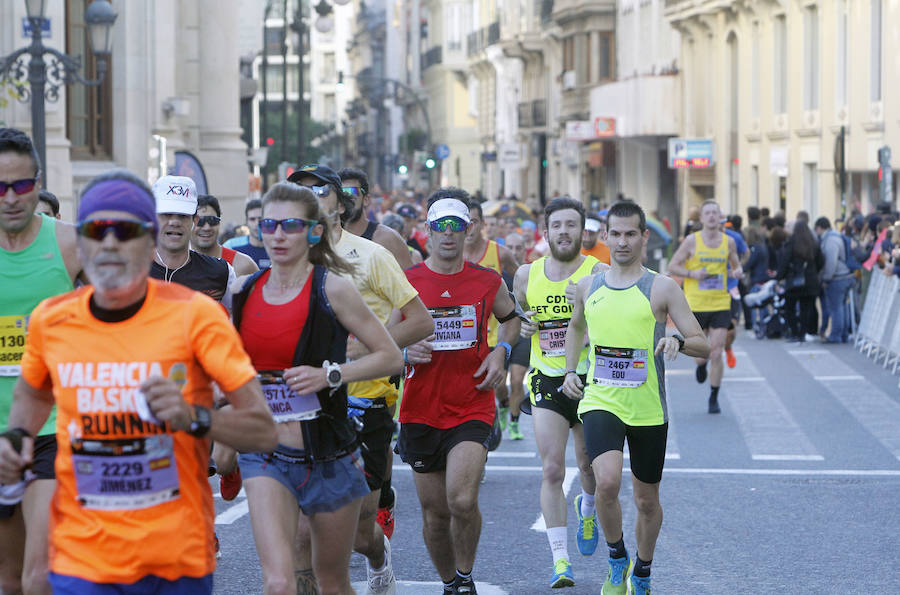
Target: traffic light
<point>285,169</point>
<point>430,163</point>
<point>270,141</point>
<point>402,169</point>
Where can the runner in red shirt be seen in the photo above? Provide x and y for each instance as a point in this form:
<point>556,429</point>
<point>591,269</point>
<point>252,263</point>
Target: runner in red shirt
<point>448,400</point>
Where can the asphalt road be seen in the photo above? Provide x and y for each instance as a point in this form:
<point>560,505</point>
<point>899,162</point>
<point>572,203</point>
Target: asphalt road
<point>791,489</point>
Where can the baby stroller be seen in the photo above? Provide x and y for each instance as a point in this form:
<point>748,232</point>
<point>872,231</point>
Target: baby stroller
<point>767,310</point>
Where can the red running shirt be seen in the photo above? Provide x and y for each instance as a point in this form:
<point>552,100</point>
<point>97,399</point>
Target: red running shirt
<point>442,393</point>
<point>270,333</point>
<point>228,255</point>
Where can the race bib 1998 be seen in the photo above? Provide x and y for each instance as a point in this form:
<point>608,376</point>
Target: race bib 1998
<point>552,337</point>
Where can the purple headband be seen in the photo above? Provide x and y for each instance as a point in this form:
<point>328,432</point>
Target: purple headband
<point>118,195</point>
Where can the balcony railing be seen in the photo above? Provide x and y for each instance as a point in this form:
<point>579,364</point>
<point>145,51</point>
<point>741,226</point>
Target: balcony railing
<point>432,57</point>
<point>478,40</point>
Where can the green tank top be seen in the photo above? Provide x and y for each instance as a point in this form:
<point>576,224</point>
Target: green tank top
<point>624,377</point>
<point>547,299</point>
<point>27,278</point>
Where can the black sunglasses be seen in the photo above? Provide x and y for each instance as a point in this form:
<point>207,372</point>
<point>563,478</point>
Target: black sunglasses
<point>210,220</point>
<point>124,230</point>
<point>19,186</point>
<point>292,225</point>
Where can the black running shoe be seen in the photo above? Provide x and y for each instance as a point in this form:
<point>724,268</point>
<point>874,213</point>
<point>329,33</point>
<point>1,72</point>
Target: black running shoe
<point>714,406</point>
<point>701,373</point>
<point>465,586</point>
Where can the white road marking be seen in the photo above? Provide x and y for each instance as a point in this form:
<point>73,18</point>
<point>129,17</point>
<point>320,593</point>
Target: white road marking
<point>233,513</point>
<point>743,379</point>
<point>717,471</point>
<point>571,474</point>
<point>788,457</point>
<point>808,351</point>
<point>417,587</point>
<point>847,377</point>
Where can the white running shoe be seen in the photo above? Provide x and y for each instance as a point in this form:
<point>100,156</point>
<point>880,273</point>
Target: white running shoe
<point>382,582</point>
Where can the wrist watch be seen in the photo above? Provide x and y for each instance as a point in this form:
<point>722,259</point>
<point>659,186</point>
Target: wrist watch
<point>200,422</point>
<point>332,373</point>
<point>680,340</point>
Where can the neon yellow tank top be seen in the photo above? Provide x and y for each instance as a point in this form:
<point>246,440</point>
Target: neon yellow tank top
<point>547,299</point>
<point>711,293</point>
<point>491,260</point>
<point>27,278</point>
<point>624,377</point>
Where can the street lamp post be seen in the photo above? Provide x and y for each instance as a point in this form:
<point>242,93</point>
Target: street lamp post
<point>46,77</point>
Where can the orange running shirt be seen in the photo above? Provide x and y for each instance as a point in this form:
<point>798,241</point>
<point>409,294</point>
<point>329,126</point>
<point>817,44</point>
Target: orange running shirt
<point>600,251</point>
<point>132,498</point>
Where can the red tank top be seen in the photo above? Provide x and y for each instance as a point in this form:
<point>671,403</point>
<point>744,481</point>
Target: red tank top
<point>228,255</point>
<point>271,333</point>
<point>442,393</point>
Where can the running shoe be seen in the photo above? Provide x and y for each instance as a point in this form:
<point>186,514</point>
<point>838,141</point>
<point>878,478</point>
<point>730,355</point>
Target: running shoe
<point>701,373</point>
<point>562,575</point>
<point>386,516</point>
<point>617,579</point>
<point>638,585</point>
<point>382,582</point>
<point>218,552</point>
<point>714,405</point>
<point>464,586</point>
<point>514,432</point>
<point>504,418</point>
<point>730,359</point>
<point>587,536</point>
<point>230,484</point>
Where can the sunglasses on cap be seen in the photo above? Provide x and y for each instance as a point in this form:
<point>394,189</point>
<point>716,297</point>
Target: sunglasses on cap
<point>454,223</point>
<point>292,225</point>
<point>320,191</point>
<point>210,220</point>
<point>124,230</point>
<point>19,186</point>
<point>354,190</point>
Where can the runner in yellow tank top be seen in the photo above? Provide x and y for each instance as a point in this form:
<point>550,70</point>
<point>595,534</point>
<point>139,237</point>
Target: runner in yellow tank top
<point>486,252</point>
<point>624,394</point>
<point>703,259</point>
<point>540,287</point>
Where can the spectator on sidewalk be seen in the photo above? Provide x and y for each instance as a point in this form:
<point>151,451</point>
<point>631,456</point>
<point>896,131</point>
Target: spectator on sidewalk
<point>799,269</point>
<point>837,281</point>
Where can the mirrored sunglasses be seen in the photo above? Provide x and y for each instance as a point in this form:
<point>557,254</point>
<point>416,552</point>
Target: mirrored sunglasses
<point>353,190</point>
<point>320,191</point>
<point>124,230</point>
<point>454,223</point>
<point>292,225</point>
<point>19,186</point>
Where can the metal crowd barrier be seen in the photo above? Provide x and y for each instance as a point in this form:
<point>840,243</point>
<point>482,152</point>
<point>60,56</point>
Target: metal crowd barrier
<point>878,335</point>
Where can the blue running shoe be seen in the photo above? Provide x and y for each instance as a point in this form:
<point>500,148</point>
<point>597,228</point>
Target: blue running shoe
<point>562,575</point>
<point>617,580</point>
<point>587,536</point>
<point>638,585</point>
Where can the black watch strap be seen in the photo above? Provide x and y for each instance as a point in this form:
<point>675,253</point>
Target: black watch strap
<point>201,423</point>
<point>680,340</point>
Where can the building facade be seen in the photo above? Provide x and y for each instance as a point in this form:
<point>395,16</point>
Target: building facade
<point>172,88</point>
<point>784,88</point>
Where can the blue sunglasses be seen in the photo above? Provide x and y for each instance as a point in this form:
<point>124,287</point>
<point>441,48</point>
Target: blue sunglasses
<point>454,223</point>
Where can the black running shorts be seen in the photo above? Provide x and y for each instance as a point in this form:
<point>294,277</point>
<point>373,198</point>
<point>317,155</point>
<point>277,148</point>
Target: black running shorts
<point>425,448</point>
<point>603,432</point>
<point>544,393</point>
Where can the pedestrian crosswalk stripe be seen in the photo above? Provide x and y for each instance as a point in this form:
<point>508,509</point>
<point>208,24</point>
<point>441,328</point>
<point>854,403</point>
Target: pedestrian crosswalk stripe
<point>233,513</point>
<point>788,458</point>
<point>568,480</point>
<point>830,378</point>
